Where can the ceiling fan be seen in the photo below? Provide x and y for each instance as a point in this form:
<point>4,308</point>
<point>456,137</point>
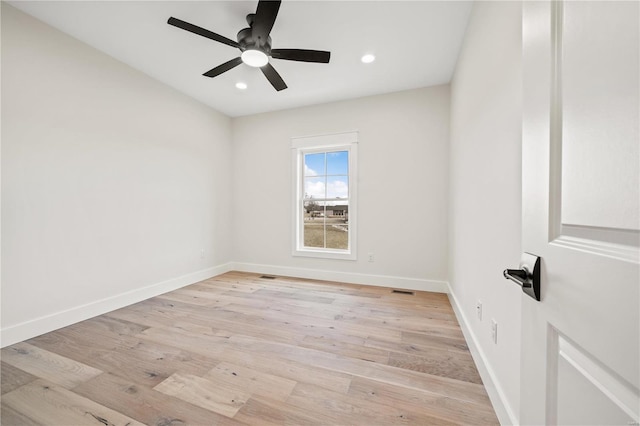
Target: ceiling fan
<point>255,44</point>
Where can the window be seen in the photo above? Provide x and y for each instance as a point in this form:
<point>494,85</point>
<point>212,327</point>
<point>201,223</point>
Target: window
<point>324,194</point>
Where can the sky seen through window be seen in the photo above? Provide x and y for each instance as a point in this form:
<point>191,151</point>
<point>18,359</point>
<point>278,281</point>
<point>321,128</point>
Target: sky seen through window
<point>326,175</point>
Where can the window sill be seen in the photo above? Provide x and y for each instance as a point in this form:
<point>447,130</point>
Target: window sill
<point>325,254</point>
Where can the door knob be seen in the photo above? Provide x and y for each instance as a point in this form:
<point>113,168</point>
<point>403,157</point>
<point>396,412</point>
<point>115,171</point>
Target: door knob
<point>528,276</point>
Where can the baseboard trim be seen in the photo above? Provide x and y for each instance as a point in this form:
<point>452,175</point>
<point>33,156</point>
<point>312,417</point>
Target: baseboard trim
<point>35,327</point>
<point>345,277</point>
<point>505,413</point>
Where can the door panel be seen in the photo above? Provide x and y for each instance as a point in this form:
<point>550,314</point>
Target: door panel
<point>588,393</point>
<point>599,106</point>
<point>580,343</point>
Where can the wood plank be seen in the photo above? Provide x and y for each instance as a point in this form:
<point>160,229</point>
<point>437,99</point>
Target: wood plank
<point>295,371</point>
<point>434,405</point>
<point>266,412</point>
<point>347,409</point>
<point>227,327</point>
<point>12,377</point>
<point>291,295</point>
<point>93,337</point>
<point>422,348</point>
<point>146,405</point>
<point>424,336</point>
<point>152,317</point>
<point>214,286</point>
<point>204,393</point>
<point>439,362</point>
<point>334,291</point>
<point>251,380</point>
<point>303,321</point>
<point>198,343</point>
<point>401,377</point>
<point>336,346</point>
<point>48,365</point>
<point>149,363</point>
<point>49,404</point>
<point>420,322</point>
<point>240,298</point>
<point>187,298</point>
<point>144,362</point>
<point>218,348</point>
<point>11,417</point>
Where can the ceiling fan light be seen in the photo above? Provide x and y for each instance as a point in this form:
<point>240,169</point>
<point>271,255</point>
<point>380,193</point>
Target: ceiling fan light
<point>254,58</point>
<point>368,58</point>
<point>241,85</point>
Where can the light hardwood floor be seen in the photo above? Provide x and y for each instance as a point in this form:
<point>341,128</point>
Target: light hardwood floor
<point>241,349</point>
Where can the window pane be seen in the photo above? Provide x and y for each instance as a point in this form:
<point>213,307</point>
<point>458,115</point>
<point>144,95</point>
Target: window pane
<point>314,187</point>
<point>314,164</point>
<point>314,233</point>
<point>337,228</point>
<point>313,209</point>
<point>337,235</point>
<point>339,212</point>
<point>337,187</point>
<point>338,163</point>
<point>313,224</point>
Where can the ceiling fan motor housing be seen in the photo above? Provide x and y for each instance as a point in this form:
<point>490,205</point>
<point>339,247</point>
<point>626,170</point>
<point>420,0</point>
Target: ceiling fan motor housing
<point>246,41</point>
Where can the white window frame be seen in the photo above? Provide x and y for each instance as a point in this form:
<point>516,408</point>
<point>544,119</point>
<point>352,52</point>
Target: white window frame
<point>347,141</point>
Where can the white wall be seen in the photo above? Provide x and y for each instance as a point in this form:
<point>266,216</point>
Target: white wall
<point>485,199</point>
<point>112,183</point>
<point>402,188</point>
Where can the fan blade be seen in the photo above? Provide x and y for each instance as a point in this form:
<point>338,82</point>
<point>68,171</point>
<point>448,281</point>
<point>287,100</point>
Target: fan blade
<point>201,32</point>
<point>274,78</point>
<point>223,68</point>
<point>263,21</point>
<point>301,55</point>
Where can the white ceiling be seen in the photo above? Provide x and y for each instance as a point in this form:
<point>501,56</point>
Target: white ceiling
<point>416,44</point>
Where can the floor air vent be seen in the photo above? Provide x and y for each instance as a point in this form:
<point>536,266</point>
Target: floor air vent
<point>407,292</point>
<point>268,277</point>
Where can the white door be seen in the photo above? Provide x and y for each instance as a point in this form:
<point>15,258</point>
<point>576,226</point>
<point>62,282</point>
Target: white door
<point>580,352</point>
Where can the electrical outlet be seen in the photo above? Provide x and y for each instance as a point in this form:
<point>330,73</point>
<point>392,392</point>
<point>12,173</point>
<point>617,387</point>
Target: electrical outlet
<point>479,309</point>
<point>494,331</point>
<point>371,257</point>
<point>201,253</point>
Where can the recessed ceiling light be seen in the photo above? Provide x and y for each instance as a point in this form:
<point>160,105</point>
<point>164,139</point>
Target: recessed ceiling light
<point>241,85</point>
<point>368,58</point>
<point>254,58</point>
